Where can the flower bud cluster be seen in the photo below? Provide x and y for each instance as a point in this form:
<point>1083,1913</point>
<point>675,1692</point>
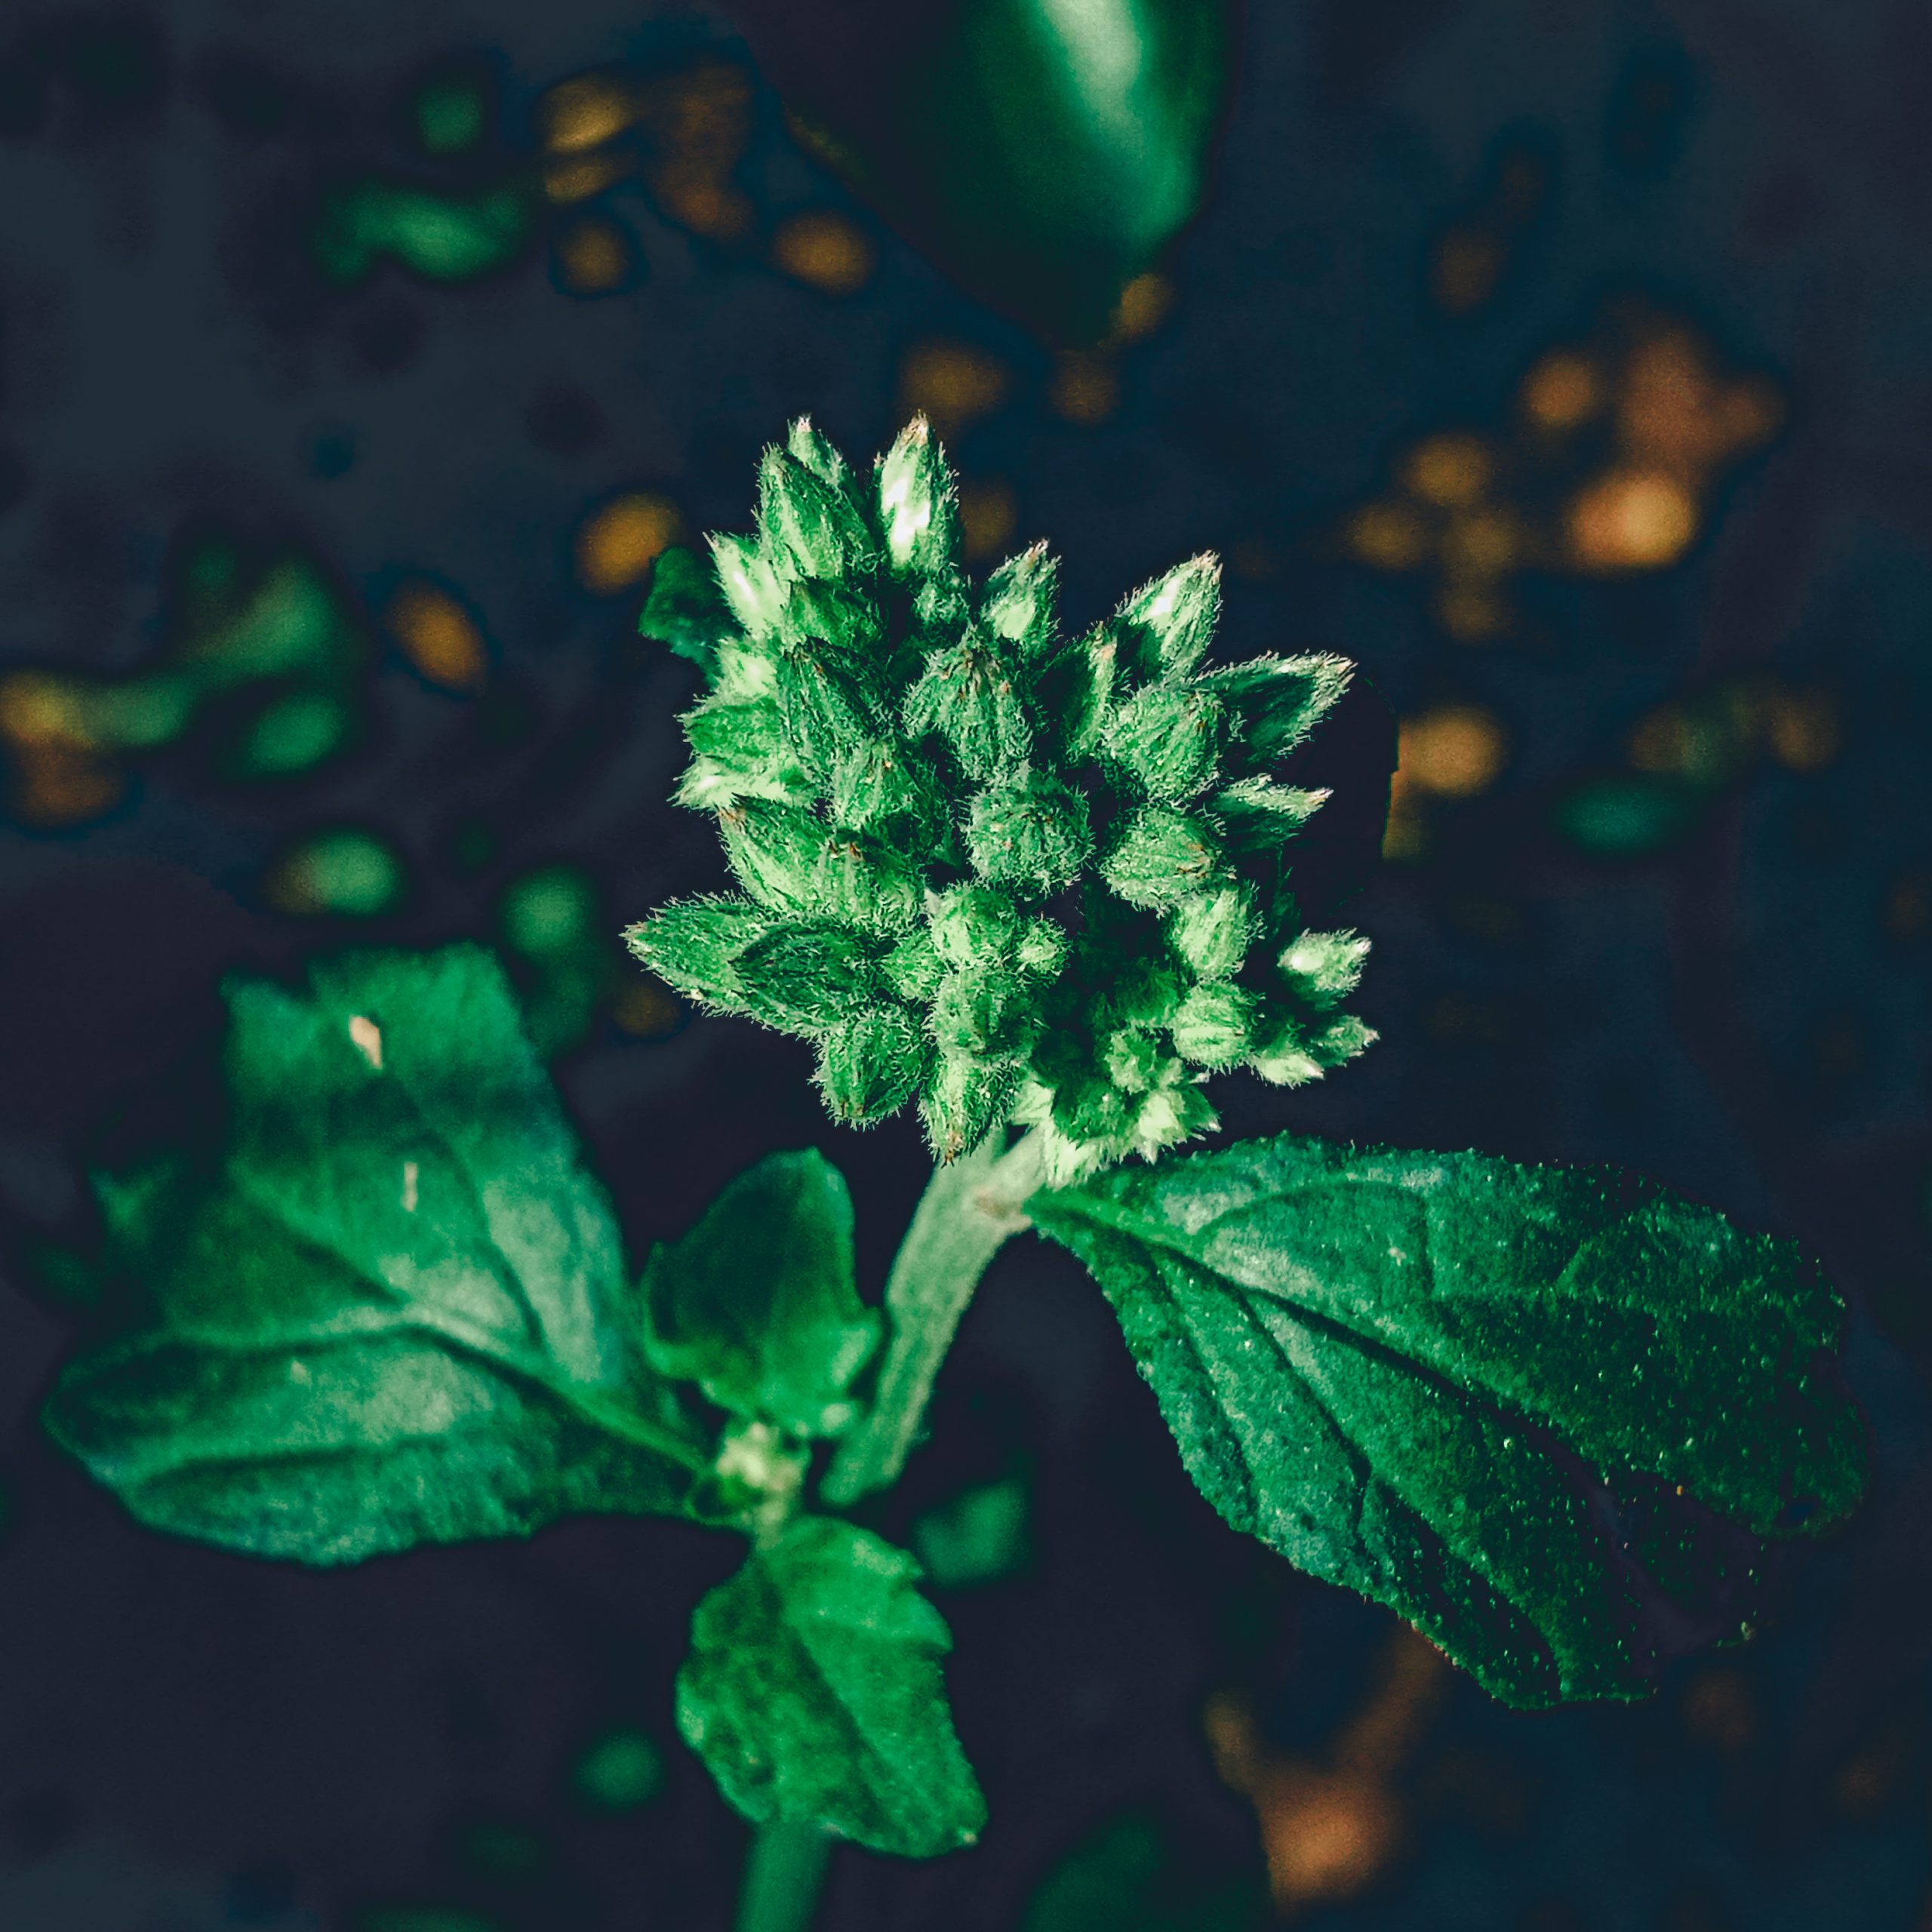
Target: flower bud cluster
<point>1000,872</point>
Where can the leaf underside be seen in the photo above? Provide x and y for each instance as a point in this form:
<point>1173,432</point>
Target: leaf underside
<point>813,1692</point>
<point>397,1314</point>
<point>1389,1366</point>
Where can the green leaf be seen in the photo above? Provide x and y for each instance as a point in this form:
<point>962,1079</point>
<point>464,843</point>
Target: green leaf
<point>685,610</point>
<point>813,1692</point>
<point>1043,151</point>
<point>396,1313</point>
<point>757,1304</point>
<point>1369,1357</point>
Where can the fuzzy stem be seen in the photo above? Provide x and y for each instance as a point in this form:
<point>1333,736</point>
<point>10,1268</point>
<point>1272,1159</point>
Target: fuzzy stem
<point>784,1876</point>
<point>968,1210</point>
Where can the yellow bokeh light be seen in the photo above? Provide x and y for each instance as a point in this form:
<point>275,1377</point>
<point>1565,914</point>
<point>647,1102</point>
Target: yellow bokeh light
<point>438,636</point>
<point>987,515</point>
<point>1472,613</point>
<point>618,543</point>
<point>59,784</point>
<point>1484,543</point>
<point>1085,388</point>
<point>582,113</point>
<point>38,709</point>
<point>1631,520</point>
<point>1457,750</point>
<point>594,257</point>
<point>1390,536</point>
<point>1564,389</point>
<point>1803,731</point>
<point>579,178</point>
<point>1143,307</point>
<point>951,384</point>
<point>827,250</point>
<point>1452,470</point>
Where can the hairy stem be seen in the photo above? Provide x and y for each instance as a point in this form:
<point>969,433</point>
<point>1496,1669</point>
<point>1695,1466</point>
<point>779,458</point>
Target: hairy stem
<point>968,1210</point>
<point>784,1876</point>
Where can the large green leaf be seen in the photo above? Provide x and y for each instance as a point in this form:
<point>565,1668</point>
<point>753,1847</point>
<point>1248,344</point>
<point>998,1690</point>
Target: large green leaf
<point>1386,1365</point>
<point>813,1692</point>
<point>758,1303</point>
<point>1045,151</point>
<point>397,1313</point>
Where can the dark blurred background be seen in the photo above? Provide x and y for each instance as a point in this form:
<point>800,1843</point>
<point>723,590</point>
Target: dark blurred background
<point>1567,365</point>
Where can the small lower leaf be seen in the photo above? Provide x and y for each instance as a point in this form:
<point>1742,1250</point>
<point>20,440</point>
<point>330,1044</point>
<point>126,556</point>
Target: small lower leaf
<point>813,1692</point>
<point>757,1303</point>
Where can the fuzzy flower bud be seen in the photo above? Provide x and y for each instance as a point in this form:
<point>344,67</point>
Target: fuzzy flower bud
<point>987,869</point>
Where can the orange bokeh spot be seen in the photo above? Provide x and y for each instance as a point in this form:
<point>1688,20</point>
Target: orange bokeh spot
<point>1456,752</point>
<point>950,383</point>
<point>619,542</point>
<point>594,257</point>
<point>1388,537</point>
<point>582,113</point>
<point>1451,470</point>
<point>826,250</point>
<point>1143,307</point>
<point>1631,520</point>
<point>578,178</point>
<point>438,636</point>
<point>1327,1836</point>
<point>1562,390</point>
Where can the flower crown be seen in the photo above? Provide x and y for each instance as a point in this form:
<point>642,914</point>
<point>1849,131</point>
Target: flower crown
<point>1011,875</point>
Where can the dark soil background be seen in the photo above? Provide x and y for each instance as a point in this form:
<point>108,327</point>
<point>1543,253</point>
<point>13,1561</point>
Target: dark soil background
<point>1660,892</point>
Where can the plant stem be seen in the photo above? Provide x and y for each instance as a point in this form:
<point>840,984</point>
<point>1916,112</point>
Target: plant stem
<point>783,1877</point>
<point>968,1210</point>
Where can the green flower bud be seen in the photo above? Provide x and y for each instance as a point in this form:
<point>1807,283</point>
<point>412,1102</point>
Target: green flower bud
<point>986,1014</point>
<point>806,521</point>
<point>1166,626</point>
<point>1323,967</point>
<point>1133,1058</point>
<point>913,968</point>
<point>1018,608</point>
<point>1213,930</point>
<point>816,453</point>
<point>1278,701</point>
<point>1029,832</point>
<point>1215,1026</point>
<point>879,785</point>
<point>974,928</point>
<point>1285,1061</point>
<point>695,944</point>
<point>966,696</point>
<point>1073,693</point>
<point>1011,876</point>
<point>915,500</point>
<point>752,588</point>
<point>775,851</point>
<point>1260,816</point>
<point>1160,857</point>
<point>805,979</point>
<point>1340,1040</point>
<point>963,1097</point>
<point>871,1064</point>
<point>1167,741</point>
<point>829,704</point>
